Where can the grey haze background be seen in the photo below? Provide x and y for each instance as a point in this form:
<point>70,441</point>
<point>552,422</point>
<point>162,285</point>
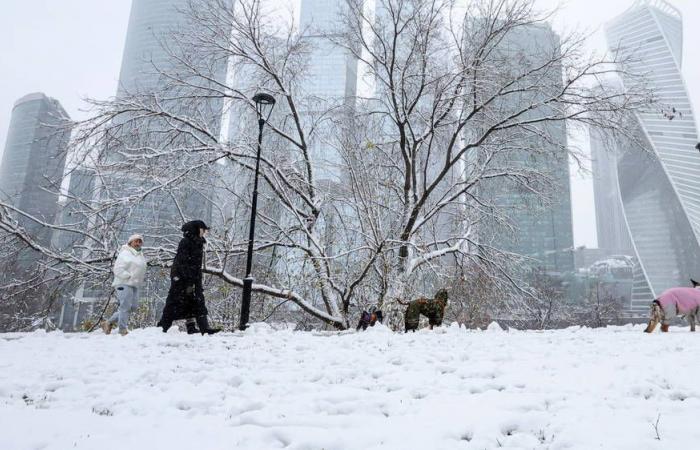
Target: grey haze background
<point>72,49</point>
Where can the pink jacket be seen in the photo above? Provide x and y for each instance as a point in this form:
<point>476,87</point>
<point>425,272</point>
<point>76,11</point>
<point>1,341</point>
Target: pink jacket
<point>681,299</point>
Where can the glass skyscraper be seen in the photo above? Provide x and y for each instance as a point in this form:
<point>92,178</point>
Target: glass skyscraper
<point>332,70</point>
<point>33,162</point>
<point>150,23</point>
<point>659,184</point>
<point>611,224</point>
<point>611,228</point>
<point>152,44</point>
<point>331,77</point>
<point>542,232</point>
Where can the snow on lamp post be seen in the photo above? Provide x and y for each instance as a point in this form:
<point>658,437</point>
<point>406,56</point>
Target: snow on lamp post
<point>264,103</point>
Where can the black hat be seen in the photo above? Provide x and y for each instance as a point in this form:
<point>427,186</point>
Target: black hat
<point>193,226</point>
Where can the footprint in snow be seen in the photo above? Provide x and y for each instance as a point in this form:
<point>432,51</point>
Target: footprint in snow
<point>509,429</point>
<point>418,395</point>
<point>446,369</point>
<point>679,396</point>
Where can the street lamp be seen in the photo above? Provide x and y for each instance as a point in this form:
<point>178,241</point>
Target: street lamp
<point>263,106</point>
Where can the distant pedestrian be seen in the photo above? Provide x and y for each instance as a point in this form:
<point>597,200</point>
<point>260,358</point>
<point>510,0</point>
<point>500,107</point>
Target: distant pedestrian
<point>186,296</point>
<point>129,273</point>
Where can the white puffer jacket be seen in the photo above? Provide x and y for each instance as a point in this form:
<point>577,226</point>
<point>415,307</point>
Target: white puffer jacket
<point>129,268</point>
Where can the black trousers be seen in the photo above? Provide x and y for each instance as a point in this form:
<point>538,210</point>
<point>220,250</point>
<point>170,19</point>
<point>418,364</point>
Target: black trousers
<point>185,300</point>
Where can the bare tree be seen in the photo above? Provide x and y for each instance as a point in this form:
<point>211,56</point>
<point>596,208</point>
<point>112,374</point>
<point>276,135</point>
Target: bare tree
<point>477,297</point>
<point>600,309</point>
<point>453,104</point>
<point>545,306</point>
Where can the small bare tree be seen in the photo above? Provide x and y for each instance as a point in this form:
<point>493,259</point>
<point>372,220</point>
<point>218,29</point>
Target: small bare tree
<point>544,307</point>
<point>601,308</point>
<point>476,297</point>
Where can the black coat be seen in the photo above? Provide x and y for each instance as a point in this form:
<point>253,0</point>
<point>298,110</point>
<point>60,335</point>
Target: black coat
<point>186,295</point>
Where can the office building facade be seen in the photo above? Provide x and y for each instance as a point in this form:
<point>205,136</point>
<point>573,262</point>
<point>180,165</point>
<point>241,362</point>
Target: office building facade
<point>541,231</point>
<point>33,164</point>
<point>156,38</point>
<point>330,81</point>
<point>659,184</point>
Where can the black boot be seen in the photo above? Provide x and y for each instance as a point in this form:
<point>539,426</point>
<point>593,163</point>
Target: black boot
<point>165,325</point>
<point>203,325</point>
<point>191,327</point>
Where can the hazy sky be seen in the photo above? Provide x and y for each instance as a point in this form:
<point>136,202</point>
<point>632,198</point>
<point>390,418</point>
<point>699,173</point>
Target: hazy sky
<point>72,49</point>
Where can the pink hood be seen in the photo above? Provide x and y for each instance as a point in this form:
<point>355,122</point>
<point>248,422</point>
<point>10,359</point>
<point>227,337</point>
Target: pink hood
<point>684,299</point>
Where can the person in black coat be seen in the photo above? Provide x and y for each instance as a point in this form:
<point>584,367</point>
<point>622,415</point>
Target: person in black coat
<point>186,296</point>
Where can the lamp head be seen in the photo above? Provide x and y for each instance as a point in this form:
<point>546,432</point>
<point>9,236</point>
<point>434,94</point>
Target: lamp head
<point>264,103</point>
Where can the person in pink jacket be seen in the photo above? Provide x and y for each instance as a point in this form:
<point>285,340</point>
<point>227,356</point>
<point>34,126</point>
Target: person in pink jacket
<point>679,301</point>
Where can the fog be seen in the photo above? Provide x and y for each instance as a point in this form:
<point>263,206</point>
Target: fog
<point>72,49</point>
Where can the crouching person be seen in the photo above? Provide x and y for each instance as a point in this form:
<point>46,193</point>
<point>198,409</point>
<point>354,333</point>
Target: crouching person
<point>129,272</point>
<point>680,301</point>
<point>186,295</point>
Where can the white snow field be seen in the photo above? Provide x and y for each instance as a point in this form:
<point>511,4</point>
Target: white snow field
<point>265,389</point>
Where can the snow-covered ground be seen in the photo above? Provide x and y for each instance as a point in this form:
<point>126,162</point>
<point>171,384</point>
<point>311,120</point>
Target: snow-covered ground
<point>265,389</point>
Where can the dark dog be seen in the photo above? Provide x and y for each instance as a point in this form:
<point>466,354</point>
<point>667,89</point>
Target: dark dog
<point>369,319</point>
<point>433,309</point>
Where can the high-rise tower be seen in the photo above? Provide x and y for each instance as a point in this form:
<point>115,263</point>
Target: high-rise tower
<point>331,78</point>
<point>150,23</point>
<point>33,162</point>
<point>611,228</point>
<point>541,232</point>
<point>151,55</point>
<point>659,184</point>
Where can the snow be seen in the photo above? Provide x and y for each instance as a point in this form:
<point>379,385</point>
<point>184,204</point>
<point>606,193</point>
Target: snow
<point>494,327</point>
<point>275,388</point>
<point>613,263</point>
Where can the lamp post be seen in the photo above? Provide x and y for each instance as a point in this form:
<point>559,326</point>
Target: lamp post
<point>263,106</point>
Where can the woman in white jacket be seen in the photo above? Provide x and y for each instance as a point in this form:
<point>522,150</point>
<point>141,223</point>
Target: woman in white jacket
<point>129,273</point>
